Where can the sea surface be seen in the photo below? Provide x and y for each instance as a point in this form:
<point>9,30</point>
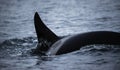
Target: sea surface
<point>63,17</point>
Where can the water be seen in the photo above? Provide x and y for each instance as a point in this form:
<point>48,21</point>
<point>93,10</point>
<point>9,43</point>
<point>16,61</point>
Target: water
<point>64,17</point>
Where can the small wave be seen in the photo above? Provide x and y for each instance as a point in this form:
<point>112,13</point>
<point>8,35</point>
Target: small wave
<point>101,47</point>
<point>104,19</point>
<point>98,49</point>
<point>15,47</point>
<point>16,41</point>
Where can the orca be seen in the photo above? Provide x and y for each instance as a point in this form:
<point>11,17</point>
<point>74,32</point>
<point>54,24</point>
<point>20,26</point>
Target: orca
<point>50,44</point>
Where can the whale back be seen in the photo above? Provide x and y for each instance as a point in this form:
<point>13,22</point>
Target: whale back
<point>50,44</point>
<point>75,42</point>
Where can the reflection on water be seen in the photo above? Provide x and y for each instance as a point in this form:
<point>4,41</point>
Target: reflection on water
<point>64,17</point>
<point>16,18</point>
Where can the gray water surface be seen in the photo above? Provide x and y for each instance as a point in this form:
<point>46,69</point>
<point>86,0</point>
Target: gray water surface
<point>63,17</point>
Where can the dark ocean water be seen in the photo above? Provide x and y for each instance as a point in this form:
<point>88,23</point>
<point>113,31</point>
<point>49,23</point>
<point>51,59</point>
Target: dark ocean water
<point>64,17</point>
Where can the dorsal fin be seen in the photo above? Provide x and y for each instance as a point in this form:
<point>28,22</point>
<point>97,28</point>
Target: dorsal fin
<point>42,31</point>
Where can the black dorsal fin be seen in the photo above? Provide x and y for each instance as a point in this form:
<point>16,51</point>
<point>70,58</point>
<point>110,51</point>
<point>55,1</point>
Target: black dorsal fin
<point>42,31</point>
